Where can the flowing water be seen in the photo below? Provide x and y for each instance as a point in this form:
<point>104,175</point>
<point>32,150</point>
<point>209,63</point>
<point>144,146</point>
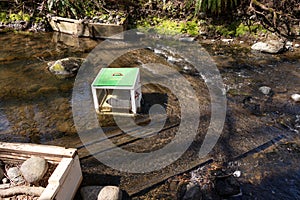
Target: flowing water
<point>35,107</point>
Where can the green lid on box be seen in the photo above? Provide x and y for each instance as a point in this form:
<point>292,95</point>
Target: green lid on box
<point>116,77</point>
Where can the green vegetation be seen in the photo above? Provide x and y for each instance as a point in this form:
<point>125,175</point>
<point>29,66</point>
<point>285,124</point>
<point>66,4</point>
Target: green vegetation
<point>236,29</point>
<point>170,27</point>
<point>3,16</point>
<point>170,16</point>
<point>20,16</point>
<point>215,6</point>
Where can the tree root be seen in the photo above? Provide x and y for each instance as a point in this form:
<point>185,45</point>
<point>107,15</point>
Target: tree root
<point>32,191</point>
<point>276,19</point>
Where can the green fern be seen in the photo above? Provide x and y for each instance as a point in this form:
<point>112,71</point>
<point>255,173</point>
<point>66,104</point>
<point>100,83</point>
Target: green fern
<point>214,6</point>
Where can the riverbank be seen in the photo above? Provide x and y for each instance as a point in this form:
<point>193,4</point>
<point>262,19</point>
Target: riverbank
<point>162,17</point>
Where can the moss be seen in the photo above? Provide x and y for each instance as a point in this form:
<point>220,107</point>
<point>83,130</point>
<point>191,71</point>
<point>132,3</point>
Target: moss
<point>26,17</point>
<point>15,17</point>
<point>170,27</point>
<point>57,67</point>
<point>38,19</point>
<point>236,29</point>
<point>23,32</point>
<point>3,17</point>
<point>18,17</point>
<point>190,27</point>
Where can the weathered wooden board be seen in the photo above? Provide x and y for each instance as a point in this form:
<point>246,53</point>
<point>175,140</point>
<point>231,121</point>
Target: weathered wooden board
<point>69,26</point>
<point>110,31</point>
<point>80,28</point>
<point>22,151</point>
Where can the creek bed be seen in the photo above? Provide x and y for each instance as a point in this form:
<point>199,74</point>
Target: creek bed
<point>36,107</point>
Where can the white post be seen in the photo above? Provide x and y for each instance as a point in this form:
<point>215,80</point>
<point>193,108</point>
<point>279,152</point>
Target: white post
<point>95,98</point>
<point>133,103</point>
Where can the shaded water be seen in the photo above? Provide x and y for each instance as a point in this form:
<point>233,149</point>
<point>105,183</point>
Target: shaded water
<point>35,106</point>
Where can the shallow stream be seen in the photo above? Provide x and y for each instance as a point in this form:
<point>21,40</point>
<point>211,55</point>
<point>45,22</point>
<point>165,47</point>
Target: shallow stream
<point>35,107</point>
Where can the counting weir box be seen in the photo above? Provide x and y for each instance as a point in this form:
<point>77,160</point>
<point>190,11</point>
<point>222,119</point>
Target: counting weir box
<point>117,90</point>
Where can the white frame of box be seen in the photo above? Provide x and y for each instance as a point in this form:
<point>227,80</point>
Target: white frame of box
<point>67,176</point>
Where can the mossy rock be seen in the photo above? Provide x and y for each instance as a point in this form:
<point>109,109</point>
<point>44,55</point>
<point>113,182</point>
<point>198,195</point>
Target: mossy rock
<point>66,67</point>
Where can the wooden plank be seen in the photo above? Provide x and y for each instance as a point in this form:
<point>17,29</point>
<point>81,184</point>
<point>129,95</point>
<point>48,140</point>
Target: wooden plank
<point>61,170</point>
<point>64,181</point>
<point>106,31</point>
<point>15,157</point>
<point>71,183</point>
<point>49,192</point>
<point>28,148</point>
<point>69,26</point>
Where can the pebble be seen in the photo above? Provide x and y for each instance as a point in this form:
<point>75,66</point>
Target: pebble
<point>187,39</point>
<point>237,173</point>
<point>4,180</point>
<point>227,40</point>
<point>297,45</point>
<point>265,90</point>
<point>34,168</point>
<point>15,175</point>
<point>296,97</point>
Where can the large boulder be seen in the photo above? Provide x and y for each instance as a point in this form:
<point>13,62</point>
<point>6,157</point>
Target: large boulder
<point>271,46</point>
<point>66,67</point>
<point>34,168</point>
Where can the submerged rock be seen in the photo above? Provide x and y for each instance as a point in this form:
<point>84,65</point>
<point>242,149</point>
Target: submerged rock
<point>271,46</point>
<point>66,67</point>
<point>265,90</point>
<point>34,168</point>
<point>187,39</point>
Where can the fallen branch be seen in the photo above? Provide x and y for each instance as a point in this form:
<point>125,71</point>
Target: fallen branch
<point>32,191</point>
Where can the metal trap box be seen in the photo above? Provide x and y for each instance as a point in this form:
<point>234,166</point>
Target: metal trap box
<point>117,90</point>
